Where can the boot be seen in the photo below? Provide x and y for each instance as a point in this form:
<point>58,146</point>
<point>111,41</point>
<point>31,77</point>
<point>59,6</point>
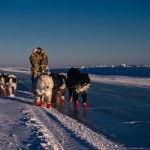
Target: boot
<point>42,103</point>
<point>62,99</point>
<point>76,104</point>
<point>5,93</point>
<point>70,99</point>
<point>84,105</point>
<point>48,105</point>
<point>38,103</point>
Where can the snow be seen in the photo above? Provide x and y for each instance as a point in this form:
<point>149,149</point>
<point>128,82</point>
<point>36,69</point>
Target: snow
<point>122,80</point>
<point>24,126</point>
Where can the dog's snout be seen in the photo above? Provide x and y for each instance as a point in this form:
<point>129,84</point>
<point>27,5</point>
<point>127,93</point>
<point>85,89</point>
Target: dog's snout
<point>47,87</point>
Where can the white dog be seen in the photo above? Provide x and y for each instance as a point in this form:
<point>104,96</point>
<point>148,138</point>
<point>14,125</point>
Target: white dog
<point>11,85</point>
<point>43,86</point>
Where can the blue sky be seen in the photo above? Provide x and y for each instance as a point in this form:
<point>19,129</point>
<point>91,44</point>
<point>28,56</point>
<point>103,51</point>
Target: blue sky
<point>75,32</point>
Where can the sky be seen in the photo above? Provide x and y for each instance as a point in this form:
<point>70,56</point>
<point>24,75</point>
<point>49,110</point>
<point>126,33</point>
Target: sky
<point>75,32</point>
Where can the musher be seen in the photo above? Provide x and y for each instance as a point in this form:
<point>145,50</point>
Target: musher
<point>38,60</point>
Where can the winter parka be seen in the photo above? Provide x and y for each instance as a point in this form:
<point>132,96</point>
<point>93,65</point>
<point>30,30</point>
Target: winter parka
<point>37,60</point>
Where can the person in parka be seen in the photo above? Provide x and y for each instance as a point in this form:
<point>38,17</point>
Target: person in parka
<point>37,59</point>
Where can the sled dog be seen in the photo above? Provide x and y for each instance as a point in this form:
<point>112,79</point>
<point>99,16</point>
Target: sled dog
<point>43,86</point>
<point>11,84</point>
<point>3,80</point>
<point>59,86</point>
<point>77,83</point>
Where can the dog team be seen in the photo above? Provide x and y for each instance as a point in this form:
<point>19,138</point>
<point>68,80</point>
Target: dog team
<point>47,86</point>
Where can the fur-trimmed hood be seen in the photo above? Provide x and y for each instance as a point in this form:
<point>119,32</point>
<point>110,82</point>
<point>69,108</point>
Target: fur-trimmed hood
<point>38,57</point>
<point>38,48</point>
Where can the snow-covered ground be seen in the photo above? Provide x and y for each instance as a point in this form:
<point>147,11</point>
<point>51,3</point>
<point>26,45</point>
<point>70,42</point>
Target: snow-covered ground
<point>24,126</point>
<point>122,80</point>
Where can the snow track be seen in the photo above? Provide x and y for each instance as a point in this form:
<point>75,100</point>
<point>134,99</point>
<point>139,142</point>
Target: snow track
<point>59,136</point>
<point>50,131</point>
<point>54,130</point>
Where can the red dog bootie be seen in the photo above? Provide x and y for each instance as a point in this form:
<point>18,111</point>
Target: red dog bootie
<point>48,105</point>
<point>42,103</point>
<point>76,104</point>
<point>70,99</point>
<point>5,93</point>
<point>84,105</point>
<point>38,103</point>
<point>62,99</point>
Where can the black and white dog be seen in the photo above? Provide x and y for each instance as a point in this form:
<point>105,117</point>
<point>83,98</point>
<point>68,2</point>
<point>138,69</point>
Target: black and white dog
<point>11,84</point>
<point>77,83</point>
<point>59,86</point>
